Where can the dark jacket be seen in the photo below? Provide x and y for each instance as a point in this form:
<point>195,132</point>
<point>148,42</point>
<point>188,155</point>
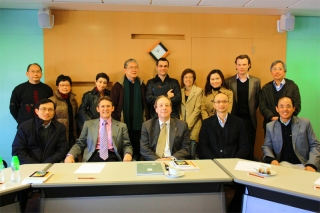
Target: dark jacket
<point>27,147</point>
<point>117,97</point>
<point>267,105</point>
<point>210,145</point>
<point>88,107</point>
<point>151,98</point>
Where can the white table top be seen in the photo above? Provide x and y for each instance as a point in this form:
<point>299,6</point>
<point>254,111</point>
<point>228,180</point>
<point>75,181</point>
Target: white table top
<point>25,170</point>
<point>115,173</point>
<point>287,180</point>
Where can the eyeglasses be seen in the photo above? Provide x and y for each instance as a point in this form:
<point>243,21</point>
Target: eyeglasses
<point>132,68</point>
<point>43,109</point>
<point>219,102</point>
<point>34,72</point>
<point>275,69</point>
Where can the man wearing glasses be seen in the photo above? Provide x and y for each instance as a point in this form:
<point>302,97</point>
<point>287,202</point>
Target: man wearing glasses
<point>224,135</point>
<point>41,139</point>
<point>162,84</point>
<point>272,91</point>
<point>26,95</point>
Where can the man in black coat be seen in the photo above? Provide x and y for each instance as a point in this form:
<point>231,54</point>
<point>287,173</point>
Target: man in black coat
<point>41,139</point>
<point>224,135</point>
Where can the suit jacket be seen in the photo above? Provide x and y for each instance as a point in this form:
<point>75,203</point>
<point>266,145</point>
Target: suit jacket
<point>210,145</point>
<point>88,139</point>
<point>179,139</point>
<point>253,99</point>
<point>191,111</point>
<point>207,108</point>
<point>305,144</point>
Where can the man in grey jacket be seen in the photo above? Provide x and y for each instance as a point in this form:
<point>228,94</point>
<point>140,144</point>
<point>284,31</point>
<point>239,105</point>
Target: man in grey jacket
<point>103,139</point>
<point>291,139</point>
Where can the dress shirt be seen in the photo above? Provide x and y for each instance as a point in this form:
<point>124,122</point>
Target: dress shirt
<point>285,123</point>
<point>241,79</point>
<point>110,144</point>
<point>278,88</point>
<point>222,123</point>
<point>167,152</point>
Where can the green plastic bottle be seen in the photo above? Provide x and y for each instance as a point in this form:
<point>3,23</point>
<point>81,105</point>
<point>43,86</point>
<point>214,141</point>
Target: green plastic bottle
<point>15,166</point>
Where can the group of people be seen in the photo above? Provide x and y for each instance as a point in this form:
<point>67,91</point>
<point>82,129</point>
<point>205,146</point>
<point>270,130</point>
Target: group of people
<point>162,120</point>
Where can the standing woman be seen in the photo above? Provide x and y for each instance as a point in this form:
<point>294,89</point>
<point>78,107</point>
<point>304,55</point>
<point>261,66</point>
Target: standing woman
<point>191,106</point>
<point>215,84</point>
<point>87,109</point>
<point>66,107</point>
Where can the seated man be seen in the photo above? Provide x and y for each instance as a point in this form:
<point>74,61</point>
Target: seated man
<point>291,139</point>
<point>41,139</point>
<point>223,135</point>
<point>164,137</point>
<point>103,139</point>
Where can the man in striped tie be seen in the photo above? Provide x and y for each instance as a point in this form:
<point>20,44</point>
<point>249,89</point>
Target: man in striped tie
<point>103,139</point>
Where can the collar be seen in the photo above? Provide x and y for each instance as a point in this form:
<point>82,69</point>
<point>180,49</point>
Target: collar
<point>101,121</point>
<point>224,120</point>
<point>237,77</point>
<point>167,122</point>
<point>285,123</point>
<point>46,126</point>
<point>281,83</point>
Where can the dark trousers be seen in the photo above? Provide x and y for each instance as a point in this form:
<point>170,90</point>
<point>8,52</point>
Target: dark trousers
<point>135,142</point>
<point>96,157</point>
<point>236,202</point>
<point>251,132</point>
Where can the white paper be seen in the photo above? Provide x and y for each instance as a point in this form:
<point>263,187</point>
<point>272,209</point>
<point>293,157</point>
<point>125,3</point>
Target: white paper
<point>249,166</point>
<point>317,181</point>
<point>90,168</point>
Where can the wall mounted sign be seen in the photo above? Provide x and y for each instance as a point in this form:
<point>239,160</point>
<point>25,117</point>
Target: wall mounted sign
<point>158,50</point>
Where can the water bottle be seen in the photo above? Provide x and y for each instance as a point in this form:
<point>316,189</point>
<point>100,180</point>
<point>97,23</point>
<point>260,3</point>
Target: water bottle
<point>1,171</point>
<point>15,166</point>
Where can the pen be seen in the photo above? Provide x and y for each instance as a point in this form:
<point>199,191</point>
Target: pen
<point>316,187</point>
<point>84,178</point>
<point>256,175</point>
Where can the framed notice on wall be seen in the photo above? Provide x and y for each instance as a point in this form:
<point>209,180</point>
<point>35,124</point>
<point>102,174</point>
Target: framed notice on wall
<point>158,50</point>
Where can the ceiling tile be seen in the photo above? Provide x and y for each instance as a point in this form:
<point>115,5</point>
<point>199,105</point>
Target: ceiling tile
<point>79,1</point>
<point>176,2</point>
<point>307,4</point>
<point>223,3</point>
<point>271,3</point>
<point>138,2</point>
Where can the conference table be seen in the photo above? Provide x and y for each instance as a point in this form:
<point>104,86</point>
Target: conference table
<point>118,188</point>
<point>292,188</point>
<point>9,190</point>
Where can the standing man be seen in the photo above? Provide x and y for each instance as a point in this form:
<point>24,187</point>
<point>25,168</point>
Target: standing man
<point>164,137</point>
<point>272,91</point>
<point>102,139</point>
<point>246,91</point>
<point>162,84</point>
<point>41,139</point>
<point>26,95</point>
<point>291,139</point>
<point>130,107</point>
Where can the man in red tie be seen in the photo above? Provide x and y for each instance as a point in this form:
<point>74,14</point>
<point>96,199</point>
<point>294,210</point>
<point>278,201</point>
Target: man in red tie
<point>103,139</point>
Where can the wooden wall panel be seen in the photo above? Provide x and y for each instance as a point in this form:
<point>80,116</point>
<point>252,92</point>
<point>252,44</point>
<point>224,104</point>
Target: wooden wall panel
<point>84,43</point>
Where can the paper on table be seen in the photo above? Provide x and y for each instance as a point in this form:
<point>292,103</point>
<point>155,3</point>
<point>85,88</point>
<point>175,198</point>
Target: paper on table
<point>249,166</point>
<point>90,168</point>
<point>317,181</point>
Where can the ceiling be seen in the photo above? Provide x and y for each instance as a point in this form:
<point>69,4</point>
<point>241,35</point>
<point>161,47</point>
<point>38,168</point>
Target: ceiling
<point>258,7</point>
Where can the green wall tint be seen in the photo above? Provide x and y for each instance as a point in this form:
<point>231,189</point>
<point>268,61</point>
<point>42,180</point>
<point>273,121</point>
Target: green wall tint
<point>21,43</point>
<point>303,65</point>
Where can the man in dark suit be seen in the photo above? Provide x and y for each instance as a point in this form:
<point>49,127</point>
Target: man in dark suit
<point>91,140</point>
<point>291,139</point>
<point>224,135</point>
<point>164,137</point>
<point>246,89</point>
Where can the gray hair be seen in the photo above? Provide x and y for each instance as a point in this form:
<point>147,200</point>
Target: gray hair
<point>128,61</point>
<point>279,61</point>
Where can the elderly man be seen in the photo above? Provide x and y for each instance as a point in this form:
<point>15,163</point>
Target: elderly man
<point>103,139</point>
<point>164,137</point>
<point>290,140</point>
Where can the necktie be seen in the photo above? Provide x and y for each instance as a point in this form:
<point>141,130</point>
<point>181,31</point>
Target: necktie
<point>162,140</point>
<point>104,141</point>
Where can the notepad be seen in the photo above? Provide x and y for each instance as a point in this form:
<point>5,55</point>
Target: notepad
<point>149,169</point>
